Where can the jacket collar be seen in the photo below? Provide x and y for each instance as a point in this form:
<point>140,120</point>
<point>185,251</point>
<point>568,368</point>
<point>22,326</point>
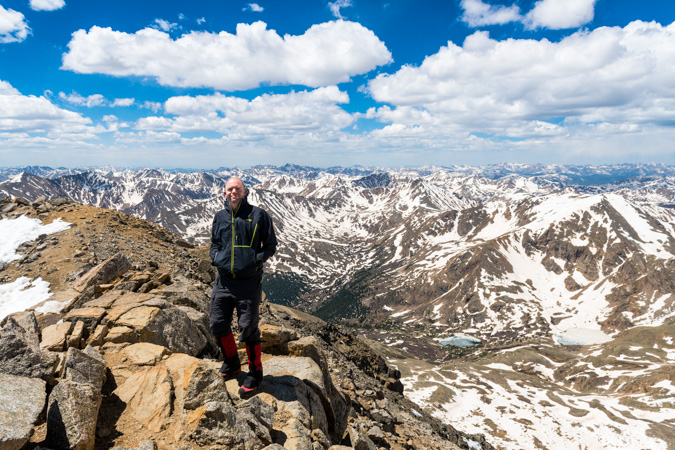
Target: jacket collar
<point>242,206</point>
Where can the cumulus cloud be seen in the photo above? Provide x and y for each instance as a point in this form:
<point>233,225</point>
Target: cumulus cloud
<point>29,123</point>
<point>317,112</point>
<point>153,106</point>
<point>30,114</point>
<point>551,14</point>
<point>113,123</point>
<point>560,14</point>
<point>325,54</point>
<point>253,7</point>
<point>608,75</point>
<point>478,13</point>
<point>337,5</point>
<point>7,89</point>
<point>164,25</point>
<point>47,5</point>
<point>76,99</point>
<point>13,26</point>
<point>94,100</point>
<point>123,102</point>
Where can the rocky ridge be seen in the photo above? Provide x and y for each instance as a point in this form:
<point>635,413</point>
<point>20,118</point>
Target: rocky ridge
<point>129,362</point>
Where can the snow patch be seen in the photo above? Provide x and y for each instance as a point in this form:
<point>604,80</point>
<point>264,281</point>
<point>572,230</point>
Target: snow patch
<point>22,294</point>
<point>582,336</point>
<point>499,366</point>
<point>15,232</point>
<point>473,445</point>
<point>460,340</point>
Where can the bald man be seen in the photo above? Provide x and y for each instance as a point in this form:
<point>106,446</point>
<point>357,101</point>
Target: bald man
<point>242,239</point>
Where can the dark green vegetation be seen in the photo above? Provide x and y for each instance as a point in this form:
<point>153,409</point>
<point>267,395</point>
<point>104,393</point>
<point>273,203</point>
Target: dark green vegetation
<point>285,288</point>
<point>346,302</point>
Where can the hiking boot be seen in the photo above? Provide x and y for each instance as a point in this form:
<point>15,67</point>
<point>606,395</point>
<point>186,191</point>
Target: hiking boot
<point>228,371</point>
<point>254,378</point>
<point>251,384</point>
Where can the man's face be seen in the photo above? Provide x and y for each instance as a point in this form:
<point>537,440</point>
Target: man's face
<point>234,192</point>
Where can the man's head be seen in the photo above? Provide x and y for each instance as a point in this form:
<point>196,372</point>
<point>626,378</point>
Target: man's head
<point>234,192</point>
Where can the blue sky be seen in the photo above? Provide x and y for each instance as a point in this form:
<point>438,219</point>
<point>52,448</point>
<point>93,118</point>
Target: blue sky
<point>205,84</point>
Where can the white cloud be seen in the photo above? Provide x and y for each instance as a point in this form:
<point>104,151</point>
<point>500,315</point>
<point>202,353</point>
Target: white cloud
<point>28,113</point>
<point>89,101</point>
<point>164,25</point>
<point>94,100</point>
<point>337,5</point>
<point>619,76</point>
<point>13,26</point>
<point>124,102</point>
<point>47,5</point>
<point>253,7</point>
<point>149,137</point>
<point>552,14</point>
<point>536,128</point>
<point>7,89</point>
<point>45,144</point>
<point>478,13</point>
<point>315,112</point>
<point>560,14</point>
<point>153,106</point>
<point>327,53</point>
<point>113,123</point>
<point>201,20</point>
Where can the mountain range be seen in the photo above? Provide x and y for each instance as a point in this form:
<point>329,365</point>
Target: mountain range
<point>502,251</point>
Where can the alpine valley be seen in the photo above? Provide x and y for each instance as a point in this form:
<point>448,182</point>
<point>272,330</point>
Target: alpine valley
<point>557,283</point>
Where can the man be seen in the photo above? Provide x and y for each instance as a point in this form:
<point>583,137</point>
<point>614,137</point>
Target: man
<point>242,239</point>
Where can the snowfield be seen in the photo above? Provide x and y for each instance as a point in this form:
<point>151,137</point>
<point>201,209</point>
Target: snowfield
<point>23,293</point>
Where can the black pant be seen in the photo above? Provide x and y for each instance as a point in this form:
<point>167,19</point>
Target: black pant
<point>245,295</point>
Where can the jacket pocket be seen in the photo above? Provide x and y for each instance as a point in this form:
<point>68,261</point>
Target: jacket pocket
<point>222,260</point>
<point>245,263</point>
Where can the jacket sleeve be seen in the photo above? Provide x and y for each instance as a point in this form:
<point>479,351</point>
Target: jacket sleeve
<point>215,245</point>
<point>268,239</point>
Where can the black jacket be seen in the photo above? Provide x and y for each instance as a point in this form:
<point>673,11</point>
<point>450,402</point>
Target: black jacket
<point>241,240</point>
